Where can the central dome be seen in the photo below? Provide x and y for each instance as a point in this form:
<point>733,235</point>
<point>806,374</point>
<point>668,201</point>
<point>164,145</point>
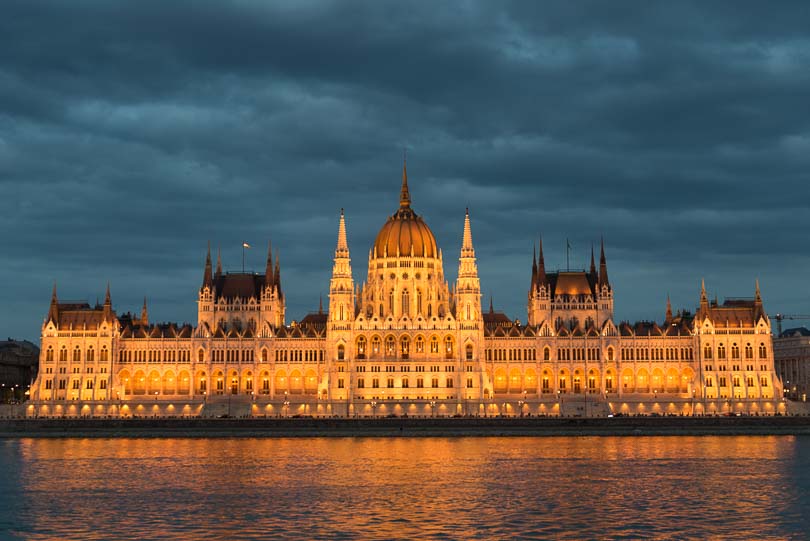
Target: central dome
<point>405,232</point>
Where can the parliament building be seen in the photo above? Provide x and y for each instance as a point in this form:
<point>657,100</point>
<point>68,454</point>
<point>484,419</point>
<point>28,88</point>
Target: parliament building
<point>406,342</point>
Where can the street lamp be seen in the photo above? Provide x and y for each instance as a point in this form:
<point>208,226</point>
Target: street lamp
<point>373,407</point>
<point>433,408</point>
<point>520,405</point>
<point>287,407</point>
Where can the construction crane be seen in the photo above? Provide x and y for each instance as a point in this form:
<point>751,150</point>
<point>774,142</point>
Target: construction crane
<point>780,317</point>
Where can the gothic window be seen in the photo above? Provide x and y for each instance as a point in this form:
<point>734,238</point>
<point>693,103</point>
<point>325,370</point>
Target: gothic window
<point>375,345</point>
<point>469,351</point>
<point>91,355</point>
<point>49,354</point>
<point>735,351</point>
<point>405,383</point>
<point>762,351</point>
<point>468,311</point>
<point>546,354</point>
<point>749,351</point>
<point>434,344</point>
<point>391,303</point>
<point>104,355</point>
<point>420,344</point>
<point>63,354</point>
<point>405,303</point>
<point>430,310</point>
<point>721,351</point>
<point>341,352</point>
<point>404,344</point>
<point>77,355</point>
<point>707,351</point>
<point>390,346</point>
<point>448,347</point>
<point>264,355</point>
<point>418,301</point>
<point>361,347</point>
<point>341,312</point>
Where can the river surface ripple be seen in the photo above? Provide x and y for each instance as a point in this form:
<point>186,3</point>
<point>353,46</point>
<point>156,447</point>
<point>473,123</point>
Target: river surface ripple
<point>747,487</point>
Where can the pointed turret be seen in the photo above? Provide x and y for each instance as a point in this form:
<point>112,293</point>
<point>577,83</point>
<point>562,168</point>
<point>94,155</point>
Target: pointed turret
<point>704,298</point>
<point>107,304</point>
<point>269,278</point>
<point>541,267</point>
<point>668,315</point>
<point>404,194</point>
<point>207,277</point>
<point>491,305</point>
<point>342,249</point>
<point>467,249</point>
<point>593,264</point>
<point>603,275</point>
<point>534,268</point>
<point>53,311</point>
<point>219,263</point>
<point>144,313</point>
<point>277,276</point>
<point>320,304</point>
<point>757,295</point>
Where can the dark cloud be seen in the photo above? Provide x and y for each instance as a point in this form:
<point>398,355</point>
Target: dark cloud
<point>132,133</point>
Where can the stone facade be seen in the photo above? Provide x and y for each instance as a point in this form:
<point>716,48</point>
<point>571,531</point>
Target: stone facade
<point>404,342</point>
<point>792,360</point>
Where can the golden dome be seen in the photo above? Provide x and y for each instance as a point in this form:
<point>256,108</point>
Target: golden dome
<point>405,232</point>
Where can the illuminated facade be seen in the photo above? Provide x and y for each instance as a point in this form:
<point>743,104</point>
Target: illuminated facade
<point>406,342</point>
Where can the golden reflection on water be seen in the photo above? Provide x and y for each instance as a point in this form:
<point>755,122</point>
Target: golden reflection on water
<point>408,488</point>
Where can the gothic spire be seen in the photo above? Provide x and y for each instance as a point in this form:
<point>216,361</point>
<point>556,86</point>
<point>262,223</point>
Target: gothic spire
<point>342,249</point>
<point>207,279</point>
<point>541,266</point>
<point>277,275</point>
<point>268,270</point>
<point>467,249</point>
<point>593,265</point>
<point>534,267</point>
<point>404,194</point>
<point>53,311</point>
<point>107,304</point>
<point>757,295</point>
<point>219,263</point>
<point>668,316</point>
<point>491,306</point>
<point>144,313</point>
<point>603,275</point>
<point>704,299</point>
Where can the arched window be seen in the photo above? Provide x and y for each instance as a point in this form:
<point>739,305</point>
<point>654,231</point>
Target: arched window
<point>264,355</point>
<point>390,346</point>
<point>721,351</point>
<point>404,346</point>
<point>406,303</point>
<point>546,354</point>
<point>77,355</point>
<point>610,354</point>
<point>749,351</point>
<point>419,301</point>
<point>434,344</point>
<point>341,312</point>
<point>763,352</point>
<point>49,354</point>
<point>430,310</point>
<point>735,351</point>
<point>63,354</point>
<point>469,350</point>
<point>391,303</point>
<point>448,347</point>
<point>200,356</point>
<point>104,354</point>
<point>375,345</point>
<point>91,355</point>
<point>341,352</point>
<point>420,344</point>
<point>361,347</point>
<point>707,351</point>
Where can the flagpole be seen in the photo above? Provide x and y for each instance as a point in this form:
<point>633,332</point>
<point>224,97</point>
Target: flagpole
<point>243,258</point>
<point>567,252</point>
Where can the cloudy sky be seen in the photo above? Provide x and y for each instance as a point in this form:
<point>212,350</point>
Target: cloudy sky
<point>132,133</point>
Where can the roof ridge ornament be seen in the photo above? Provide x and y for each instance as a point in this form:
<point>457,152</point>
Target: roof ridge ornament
<point>405,194</point>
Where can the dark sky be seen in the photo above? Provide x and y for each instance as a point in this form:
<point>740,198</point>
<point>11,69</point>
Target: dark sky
<point>131,133</point>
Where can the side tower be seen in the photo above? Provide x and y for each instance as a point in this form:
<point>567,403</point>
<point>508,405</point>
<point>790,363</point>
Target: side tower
<point>341,298</point>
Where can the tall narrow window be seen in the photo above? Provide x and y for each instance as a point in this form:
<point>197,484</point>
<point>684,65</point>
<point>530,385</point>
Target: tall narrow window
<point>405,303</point>
<point>419,301</point>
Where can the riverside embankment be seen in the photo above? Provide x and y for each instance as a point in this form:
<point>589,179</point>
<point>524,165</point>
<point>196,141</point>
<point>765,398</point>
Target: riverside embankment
<point>399,427</point>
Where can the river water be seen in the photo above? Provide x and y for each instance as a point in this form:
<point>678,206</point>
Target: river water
<point>750,487</point>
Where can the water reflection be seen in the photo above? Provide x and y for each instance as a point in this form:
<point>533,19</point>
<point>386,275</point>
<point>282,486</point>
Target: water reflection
<point>406,488</point>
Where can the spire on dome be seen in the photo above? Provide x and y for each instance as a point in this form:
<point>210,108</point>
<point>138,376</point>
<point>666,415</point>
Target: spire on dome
<point>342,249</point>
<point>704,299</point>
<point>404,194</point>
